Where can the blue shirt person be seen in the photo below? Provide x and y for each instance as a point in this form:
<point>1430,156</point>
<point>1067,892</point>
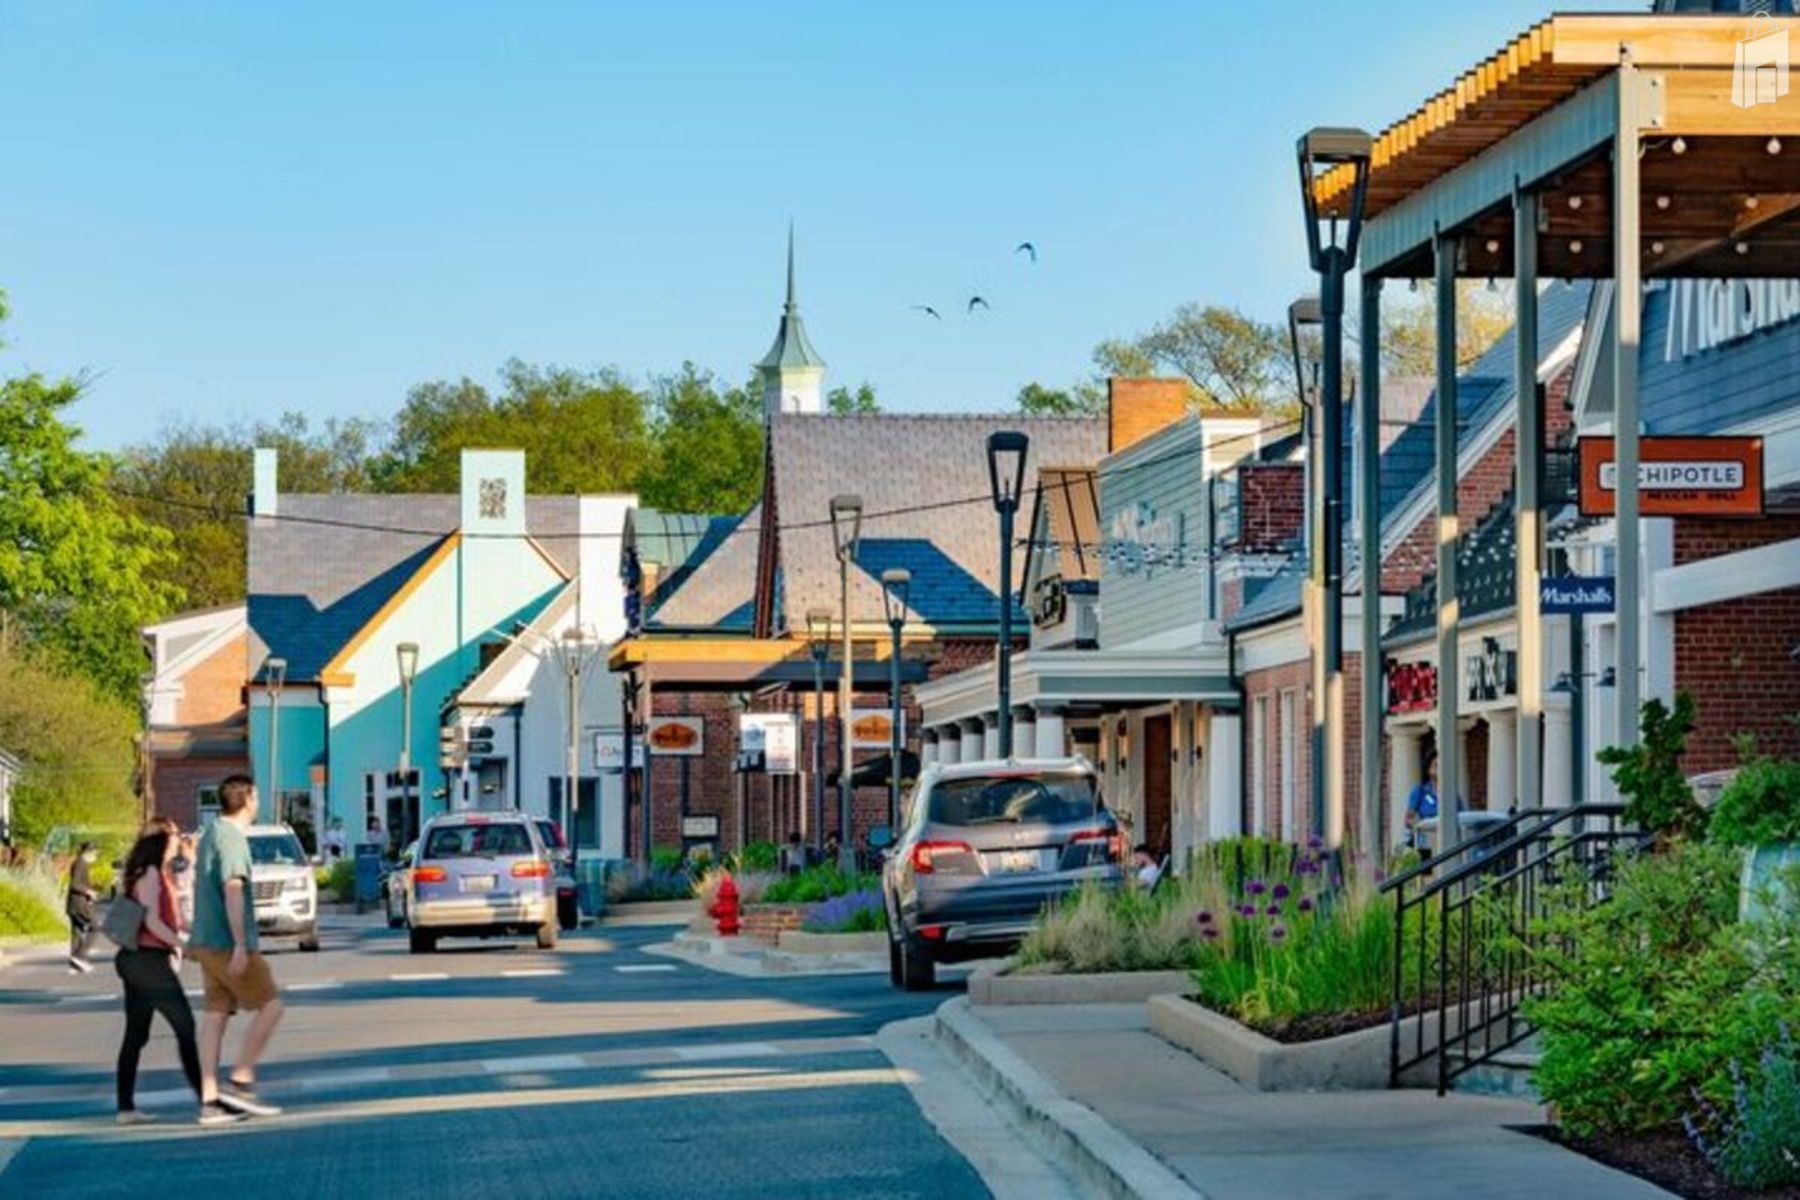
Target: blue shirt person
<point>1422,802</point>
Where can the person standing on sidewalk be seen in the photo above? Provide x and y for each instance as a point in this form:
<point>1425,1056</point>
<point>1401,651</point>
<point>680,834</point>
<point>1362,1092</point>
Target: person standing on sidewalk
<point>150,972</point>
<point>79,905</point>
<point>224,943</point>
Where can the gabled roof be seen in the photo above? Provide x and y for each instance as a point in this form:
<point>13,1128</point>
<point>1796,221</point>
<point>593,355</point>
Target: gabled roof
<point>926,498</point>
<point>1066,517</point>
<point>715,585</point>
<point>487,686</point>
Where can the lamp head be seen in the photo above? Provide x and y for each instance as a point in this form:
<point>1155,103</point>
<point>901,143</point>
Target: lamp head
<point>896,585</point>
<point>275,671</point>
<point>818,627</point>
<point>1006,451</point>
<point>1305,320</point>
<point>846,525</point>
<point>406,656</point>
<point>1319,152</point>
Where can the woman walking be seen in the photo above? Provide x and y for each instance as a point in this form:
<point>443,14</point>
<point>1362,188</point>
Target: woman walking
<point>149,971</point>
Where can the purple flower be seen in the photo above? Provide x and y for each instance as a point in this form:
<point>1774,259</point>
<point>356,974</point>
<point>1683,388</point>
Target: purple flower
<point>1313,842</point>
<point>1249,910</point>
<point>1274,910</point>
<point>1256,887</point>
<point>1277,933</point>
<point>1205,918</point>
<point>1210,933</point>
<point>1280,892</point>
<point>1306,904</point>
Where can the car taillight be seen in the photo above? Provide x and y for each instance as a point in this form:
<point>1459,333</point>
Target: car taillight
<point>429,875</point>
<point>531,870</point>
<point>1114,842</point>
<point>929,858</point>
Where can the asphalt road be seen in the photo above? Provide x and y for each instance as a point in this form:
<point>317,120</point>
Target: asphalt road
<point>487,1069</point>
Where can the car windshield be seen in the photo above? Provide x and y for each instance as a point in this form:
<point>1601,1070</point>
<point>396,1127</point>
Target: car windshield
<point>477,841</point>
<point>276,850</point>
<point>1010,799</point>
<point>551,833</point>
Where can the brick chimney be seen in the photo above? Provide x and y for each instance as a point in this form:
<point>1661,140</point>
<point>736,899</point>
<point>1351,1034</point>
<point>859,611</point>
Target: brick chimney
<point>1138,408</point>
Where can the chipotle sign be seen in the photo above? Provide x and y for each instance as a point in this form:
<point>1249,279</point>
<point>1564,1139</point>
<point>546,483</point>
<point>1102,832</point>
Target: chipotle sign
<point>1411,687</point>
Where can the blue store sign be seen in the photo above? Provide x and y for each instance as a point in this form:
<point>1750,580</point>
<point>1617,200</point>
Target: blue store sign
<point>1576,594</point>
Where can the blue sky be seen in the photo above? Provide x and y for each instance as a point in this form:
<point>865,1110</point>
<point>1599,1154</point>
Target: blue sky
<point>224,211</point>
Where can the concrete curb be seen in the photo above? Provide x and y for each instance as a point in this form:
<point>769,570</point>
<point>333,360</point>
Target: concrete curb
<point>1077,1139</point>
<point>762,962</point>
<point>1114,987</point>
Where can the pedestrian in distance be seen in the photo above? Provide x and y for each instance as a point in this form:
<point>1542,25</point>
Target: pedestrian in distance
<point>181,869</point>
<point>151,970</point>
<point>224,943</point>
<point>80,907</point>
<point>334,842</point>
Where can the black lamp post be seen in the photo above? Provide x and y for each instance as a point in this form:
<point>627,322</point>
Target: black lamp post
<point>1006,450</point>
<point>1319,151</point>
<point>1305,322</point>
<point>406,659</point>
<point>846,532</point>
<point>275,677</point>
<point>818,644</point>
<point>896,585</point>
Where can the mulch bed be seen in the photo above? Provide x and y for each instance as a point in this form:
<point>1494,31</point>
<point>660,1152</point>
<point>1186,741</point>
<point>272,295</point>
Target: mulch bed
<point>1665,1158</point>
<point>1318,1026</point>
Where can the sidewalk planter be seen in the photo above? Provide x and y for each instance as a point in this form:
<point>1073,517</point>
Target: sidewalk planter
<point>798,941</point>
<point>770,921</point>
<point>1349,1062</point>
<point>999,986</point>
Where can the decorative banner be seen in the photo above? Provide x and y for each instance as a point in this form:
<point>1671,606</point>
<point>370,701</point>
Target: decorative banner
<point>1678,476</point>
<point>872,729</point>
<point>683,737</point>
<point>769,742</point>
<point>1576,594</point>
<point>1412,687</point>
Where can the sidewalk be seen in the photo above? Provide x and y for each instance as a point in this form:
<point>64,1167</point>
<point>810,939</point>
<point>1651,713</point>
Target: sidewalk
<point>1228,1143</point>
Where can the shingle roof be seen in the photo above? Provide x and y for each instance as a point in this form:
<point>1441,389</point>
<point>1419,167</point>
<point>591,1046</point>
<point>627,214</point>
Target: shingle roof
<point>1278,596</point>
<point>327,563</point>
<point>715,586</point>
<point>924,485</point>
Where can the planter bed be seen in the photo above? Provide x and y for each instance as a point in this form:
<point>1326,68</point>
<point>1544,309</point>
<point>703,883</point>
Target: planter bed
<point>1353,1060</point>
<point>1665,1158</point>
<point>1002,986</point>
<point>798,941</point>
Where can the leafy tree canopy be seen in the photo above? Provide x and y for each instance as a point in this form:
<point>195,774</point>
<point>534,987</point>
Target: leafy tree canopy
<point>76,745</point>
<point>845,402</point>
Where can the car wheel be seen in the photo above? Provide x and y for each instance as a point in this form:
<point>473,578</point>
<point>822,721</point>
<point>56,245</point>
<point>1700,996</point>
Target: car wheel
<point>546,936</point>
<point>917,972</point>
<point>310,942</point>
<point>421,942</point>
<point>568,912</point>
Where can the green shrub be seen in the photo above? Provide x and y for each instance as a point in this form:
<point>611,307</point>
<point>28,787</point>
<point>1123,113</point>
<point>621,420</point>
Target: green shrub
<point>757,856</point>
<point>666,859</point>
<point>818,883</point>
<point>1760,806</point>
<point>1652,995</point>
<point>30,904</point>
<point>1658,798</point>
<point>337,880</point>
<point>1755,1140</point>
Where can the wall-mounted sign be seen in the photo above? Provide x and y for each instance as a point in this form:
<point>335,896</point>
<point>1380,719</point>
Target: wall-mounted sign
<point>1493,674</point>
<point>1049,601</point>
<point>1148,539</point>
<point>1576,594</point>
<point>609,750</point>
<point>769,742</point>
<point>677,736</point>
<point>1411,687</point>
<point>1708,313</point>
<point>872,729</point>
<point>1678,476</point>
<point>704,827</point>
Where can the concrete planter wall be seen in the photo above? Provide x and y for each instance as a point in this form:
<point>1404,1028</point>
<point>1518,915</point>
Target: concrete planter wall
<point>798,941</point>
<point>994,985</point>
<point>1351,1061</point>
<point>770,921</point>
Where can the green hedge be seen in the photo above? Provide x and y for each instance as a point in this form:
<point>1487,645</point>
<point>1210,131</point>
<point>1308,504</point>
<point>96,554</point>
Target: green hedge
<point>29,906</point>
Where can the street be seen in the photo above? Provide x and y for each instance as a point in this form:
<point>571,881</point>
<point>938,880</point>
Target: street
<point>490,1067</point>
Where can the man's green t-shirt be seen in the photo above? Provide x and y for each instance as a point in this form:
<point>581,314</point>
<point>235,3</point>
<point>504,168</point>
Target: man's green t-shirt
<point>224,854</point>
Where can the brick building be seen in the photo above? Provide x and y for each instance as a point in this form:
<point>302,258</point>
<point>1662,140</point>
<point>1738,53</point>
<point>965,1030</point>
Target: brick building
<point>196,729</point>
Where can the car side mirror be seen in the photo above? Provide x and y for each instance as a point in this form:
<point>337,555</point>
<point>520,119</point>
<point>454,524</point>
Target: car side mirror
<point>881,838</point>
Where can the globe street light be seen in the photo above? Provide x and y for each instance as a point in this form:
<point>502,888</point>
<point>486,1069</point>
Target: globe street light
<point>1006,450</point>
<point>846,532</point>
<point>896,586</point>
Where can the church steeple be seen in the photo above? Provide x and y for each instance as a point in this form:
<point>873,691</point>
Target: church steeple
<point>792,372</point>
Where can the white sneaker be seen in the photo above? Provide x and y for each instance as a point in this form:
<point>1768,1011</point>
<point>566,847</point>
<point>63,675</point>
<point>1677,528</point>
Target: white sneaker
<point>132,1116</point>
<point>80,966</point>
<point>241,1099</point>
<point>218,1114</point>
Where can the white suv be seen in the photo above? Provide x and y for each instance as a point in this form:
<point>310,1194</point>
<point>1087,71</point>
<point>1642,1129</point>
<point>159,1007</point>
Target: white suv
<point>283,885</point>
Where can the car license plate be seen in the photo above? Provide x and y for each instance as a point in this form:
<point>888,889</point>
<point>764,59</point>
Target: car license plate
<point>1013,861</point>
<point>479,883</point>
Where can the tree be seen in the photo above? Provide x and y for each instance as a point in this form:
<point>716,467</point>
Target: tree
<point>708,445</point>
<point>1034,399</point>
<point>78,573</point>
<point>75,742</point>
<point>1233,361</point>
<point>1409,329</point>
<point>843,402</point>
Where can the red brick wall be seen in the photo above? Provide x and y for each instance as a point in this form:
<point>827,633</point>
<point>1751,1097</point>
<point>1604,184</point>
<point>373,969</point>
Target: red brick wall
<point>1271,505</point>
<point>1269,684</point>
<point>176,784</point>
<point>1139,408</point>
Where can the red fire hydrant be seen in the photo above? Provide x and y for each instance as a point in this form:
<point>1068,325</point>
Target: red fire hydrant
<point>724,908</point>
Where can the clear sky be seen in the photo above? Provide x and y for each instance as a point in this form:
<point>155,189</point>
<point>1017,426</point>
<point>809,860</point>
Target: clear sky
<point>223,210</point>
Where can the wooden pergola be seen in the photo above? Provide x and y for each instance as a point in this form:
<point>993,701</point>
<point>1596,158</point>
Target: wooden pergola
<point>1621,148</point>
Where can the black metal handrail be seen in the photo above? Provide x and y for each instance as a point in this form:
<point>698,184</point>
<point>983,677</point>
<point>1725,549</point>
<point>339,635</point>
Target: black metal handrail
<point>1466,931</point>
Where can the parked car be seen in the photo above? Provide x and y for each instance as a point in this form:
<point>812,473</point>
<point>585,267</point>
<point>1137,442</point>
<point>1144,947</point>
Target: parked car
<point>982,848</point>
<point>396,884</point>
<point>568,908</point>
<point>283,885</point>
<point>481,875</point>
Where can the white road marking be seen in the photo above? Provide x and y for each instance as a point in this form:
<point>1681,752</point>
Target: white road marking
<point>727,1050</point>
<point>635,968</point>
<point>531,972</point>
<point>318,1083</point>
<point>8,1148</point>
<point>89,998</point>
<point>320,986</point>
<point>418,976</point>
<point>196,993</point>
<point>537,1062</point>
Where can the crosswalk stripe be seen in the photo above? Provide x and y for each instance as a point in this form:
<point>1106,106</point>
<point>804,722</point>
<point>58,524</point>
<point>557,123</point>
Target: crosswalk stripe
<point>535,1062</point>
<point>531,972</point>
<point>418,976</point>
<point>727,1050</point>
<point>635,968</point>
<point>316,986</point>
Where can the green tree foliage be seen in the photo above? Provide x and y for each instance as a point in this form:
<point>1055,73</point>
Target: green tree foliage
<point>1233,361</point>
<point>1409,327</point>
<point>192,479</point>
<point>1039,401</point>
<point>852,402</point>
<point>708,445</point>
<point>1657,796</point>
<point>76,744</point>
<point>77,571</point>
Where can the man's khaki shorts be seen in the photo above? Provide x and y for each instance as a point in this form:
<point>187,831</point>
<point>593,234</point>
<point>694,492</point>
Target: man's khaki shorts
<point>227,993</point>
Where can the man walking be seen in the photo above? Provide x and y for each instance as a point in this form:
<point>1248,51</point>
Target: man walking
<point>224,943</point>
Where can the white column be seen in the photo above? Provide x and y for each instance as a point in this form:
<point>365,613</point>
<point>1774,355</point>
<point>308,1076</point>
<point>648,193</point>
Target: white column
<point>1502,759</point>
<point>1222,775</point>
<point>1051,735</point>
<point>1558,745</point>
<point>950,744</point>
<point>1404,773</point>
<point>990,735</point>
<point>1024,733</point>
<point>928,750</point>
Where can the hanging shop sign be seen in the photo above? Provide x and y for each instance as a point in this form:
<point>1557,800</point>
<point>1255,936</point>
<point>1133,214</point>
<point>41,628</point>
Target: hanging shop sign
<point>1576,594</point>
<point>769,743</point>
<point>1411,687</point>
<point>1049,602</point>
<point>872,729</point>
<point>1492,673</point>
<point>1678,476</point>
<point>683,737</point>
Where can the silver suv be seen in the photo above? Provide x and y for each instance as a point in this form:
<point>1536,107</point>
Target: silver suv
<point>282,885</point>
<point>983,847</point>
<point>481,875</point>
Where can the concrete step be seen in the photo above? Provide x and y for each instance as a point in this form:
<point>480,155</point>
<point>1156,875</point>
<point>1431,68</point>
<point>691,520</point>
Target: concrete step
<point>1506,1074</point>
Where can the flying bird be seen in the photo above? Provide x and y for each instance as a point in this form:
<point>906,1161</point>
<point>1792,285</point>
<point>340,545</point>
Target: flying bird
<point>974,300</point>
<point>928,311</point>
<point>1028,248</point>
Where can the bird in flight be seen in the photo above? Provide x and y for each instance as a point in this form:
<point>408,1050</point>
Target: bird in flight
<point>1028,248</point>
<point>977,300</point>
<point>928,311</point>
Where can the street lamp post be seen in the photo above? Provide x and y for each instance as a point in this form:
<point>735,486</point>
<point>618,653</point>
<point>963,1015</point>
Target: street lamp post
<point>274,678</point>
<point>818,644</point>
<point>1322,150</point>
<point>846,530</point>
<point>896,584</point>
<point>574,652</point>
<point>1305,319</point>
<point>1006,450</point>
<point>406,657</point>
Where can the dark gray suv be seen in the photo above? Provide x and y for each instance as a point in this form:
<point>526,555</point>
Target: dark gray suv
<point>982,848</point>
